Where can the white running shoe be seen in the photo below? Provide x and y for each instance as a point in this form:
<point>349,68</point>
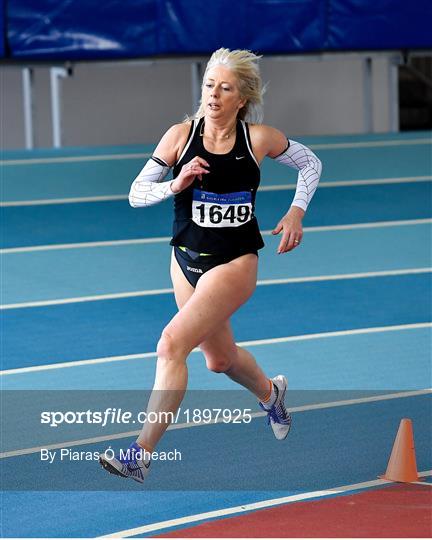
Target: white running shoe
<point>129,463</point>
<point>277,416</point>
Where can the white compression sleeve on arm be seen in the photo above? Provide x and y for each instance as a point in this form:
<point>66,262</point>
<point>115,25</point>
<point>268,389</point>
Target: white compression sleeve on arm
<point>302,158</point>
<point>148,188</point>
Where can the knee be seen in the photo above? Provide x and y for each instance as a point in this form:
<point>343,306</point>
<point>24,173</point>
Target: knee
<point>219,366</point>
<point>218,363</point>
<point>169,348</point>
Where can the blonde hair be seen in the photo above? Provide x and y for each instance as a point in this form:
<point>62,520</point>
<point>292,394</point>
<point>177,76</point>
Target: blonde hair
<point>244,64</point>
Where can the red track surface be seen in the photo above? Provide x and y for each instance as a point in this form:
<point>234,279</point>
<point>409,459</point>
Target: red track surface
<point>401,510</point>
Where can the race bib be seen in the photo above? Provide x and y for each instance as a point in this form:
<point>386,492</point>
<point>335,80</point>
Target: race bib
<point>221,209</point>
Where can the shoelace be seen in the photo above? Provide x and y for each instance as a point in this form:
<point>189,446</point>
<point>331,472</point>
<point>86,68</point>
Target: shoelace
<point>130,462</point>
<point>133,466</point>
<point>135,471</point>
<point>279,415</point>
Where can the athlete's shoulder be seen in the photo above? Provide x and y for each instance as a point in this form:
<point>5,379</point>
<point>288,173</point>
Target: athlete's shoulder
<point>172,142</point>
<point>178,131</point>
<point>267,140</point>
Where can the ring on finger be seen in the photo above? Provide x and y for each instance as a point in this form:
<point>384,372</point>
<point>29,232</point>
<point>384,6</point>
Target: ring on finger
<point>296,241</point>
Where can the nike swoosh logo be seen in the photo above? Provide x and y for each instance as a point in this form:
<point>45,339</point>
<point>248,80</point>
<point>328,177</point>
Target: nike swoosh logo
<point>241,157</point>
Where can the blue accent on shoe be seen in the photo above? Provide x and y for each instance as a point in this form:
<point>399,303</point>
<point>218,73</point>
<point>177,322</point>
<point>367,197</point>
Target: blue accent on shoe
<point>277,415</point>
<point>128,464</point>
<point>130,453</point>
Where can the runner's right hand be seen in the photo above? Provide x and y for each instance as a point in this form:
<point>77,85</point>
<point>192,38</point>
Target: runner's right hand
<point>195,167</point>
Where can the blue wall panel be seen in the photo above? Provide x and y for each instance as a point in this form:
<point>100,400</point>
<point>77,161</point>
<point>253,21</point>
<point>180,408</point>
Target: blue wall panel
<point>72,29</point>
<point>380,24</point>
<point>286,25</point>
<point>2,28</point>
<point>92,29</point>
<point>194,26</point>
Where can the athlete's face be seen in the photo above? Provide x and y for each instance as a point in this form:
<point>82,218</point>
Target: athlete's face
<point>221,96</point>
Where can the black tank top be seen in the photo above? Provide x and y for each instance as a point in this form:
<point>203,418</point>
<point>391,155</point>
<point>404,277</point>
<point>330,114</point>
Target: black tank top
<point>217,215</point>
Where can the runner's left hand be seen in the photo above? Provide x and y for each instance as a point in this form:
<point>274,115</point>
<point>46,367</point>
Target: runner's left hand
<point>292,230</point>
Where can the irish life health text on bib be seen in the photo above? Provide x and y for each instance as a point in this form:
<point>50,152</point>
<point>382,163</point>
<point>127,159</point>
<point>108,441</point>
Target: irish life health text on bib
<point>221,209</point>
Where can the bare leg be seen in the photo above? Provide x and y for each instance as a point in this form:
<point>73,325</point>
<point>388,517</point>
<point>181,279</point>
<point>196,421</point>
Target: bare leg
<point>219,293</point>
<point>224,356</point>
<point>246,371</point>
<point>168,392</point>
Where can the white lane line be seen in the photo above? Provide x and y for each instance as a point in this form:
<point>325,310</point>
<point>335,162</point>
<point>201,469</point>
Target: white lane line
<point>370,144</point>
<point>77,299</point>
<point>77,159</point>
<point>337,277</point>
<point>339,333</point>
<point>341,183</point>
<point>140,155</point>
<point>369,225</point>
<point>268,503</point>
<point>428,484</point>
<point>165,239</point>
<point>70,200</point>
<point>75,363</point>
<point>253,343</point>
<point>79,245</point>
<point>275,187</point>
<point>260,282</point>
<point>188,425</point>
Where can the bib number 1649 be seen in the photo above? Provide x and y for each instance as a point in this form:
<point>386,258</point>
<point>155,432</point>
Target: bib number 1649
<point>217,214</point>
<point>221,210</point>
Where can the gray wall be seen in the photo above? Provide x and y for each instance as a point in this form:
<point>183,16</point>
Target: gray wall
<point>109,104</point>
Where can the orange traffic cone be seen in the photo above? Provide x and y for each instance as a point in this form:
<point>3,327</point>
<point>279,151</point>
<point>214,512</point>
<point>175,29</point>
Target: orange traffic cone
<point>402,466</point>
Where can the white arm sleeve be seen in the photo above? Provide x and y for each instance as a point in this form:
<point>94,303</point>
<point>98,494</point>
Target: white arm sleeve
<point>300,157</point>
<point>148,188</point>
